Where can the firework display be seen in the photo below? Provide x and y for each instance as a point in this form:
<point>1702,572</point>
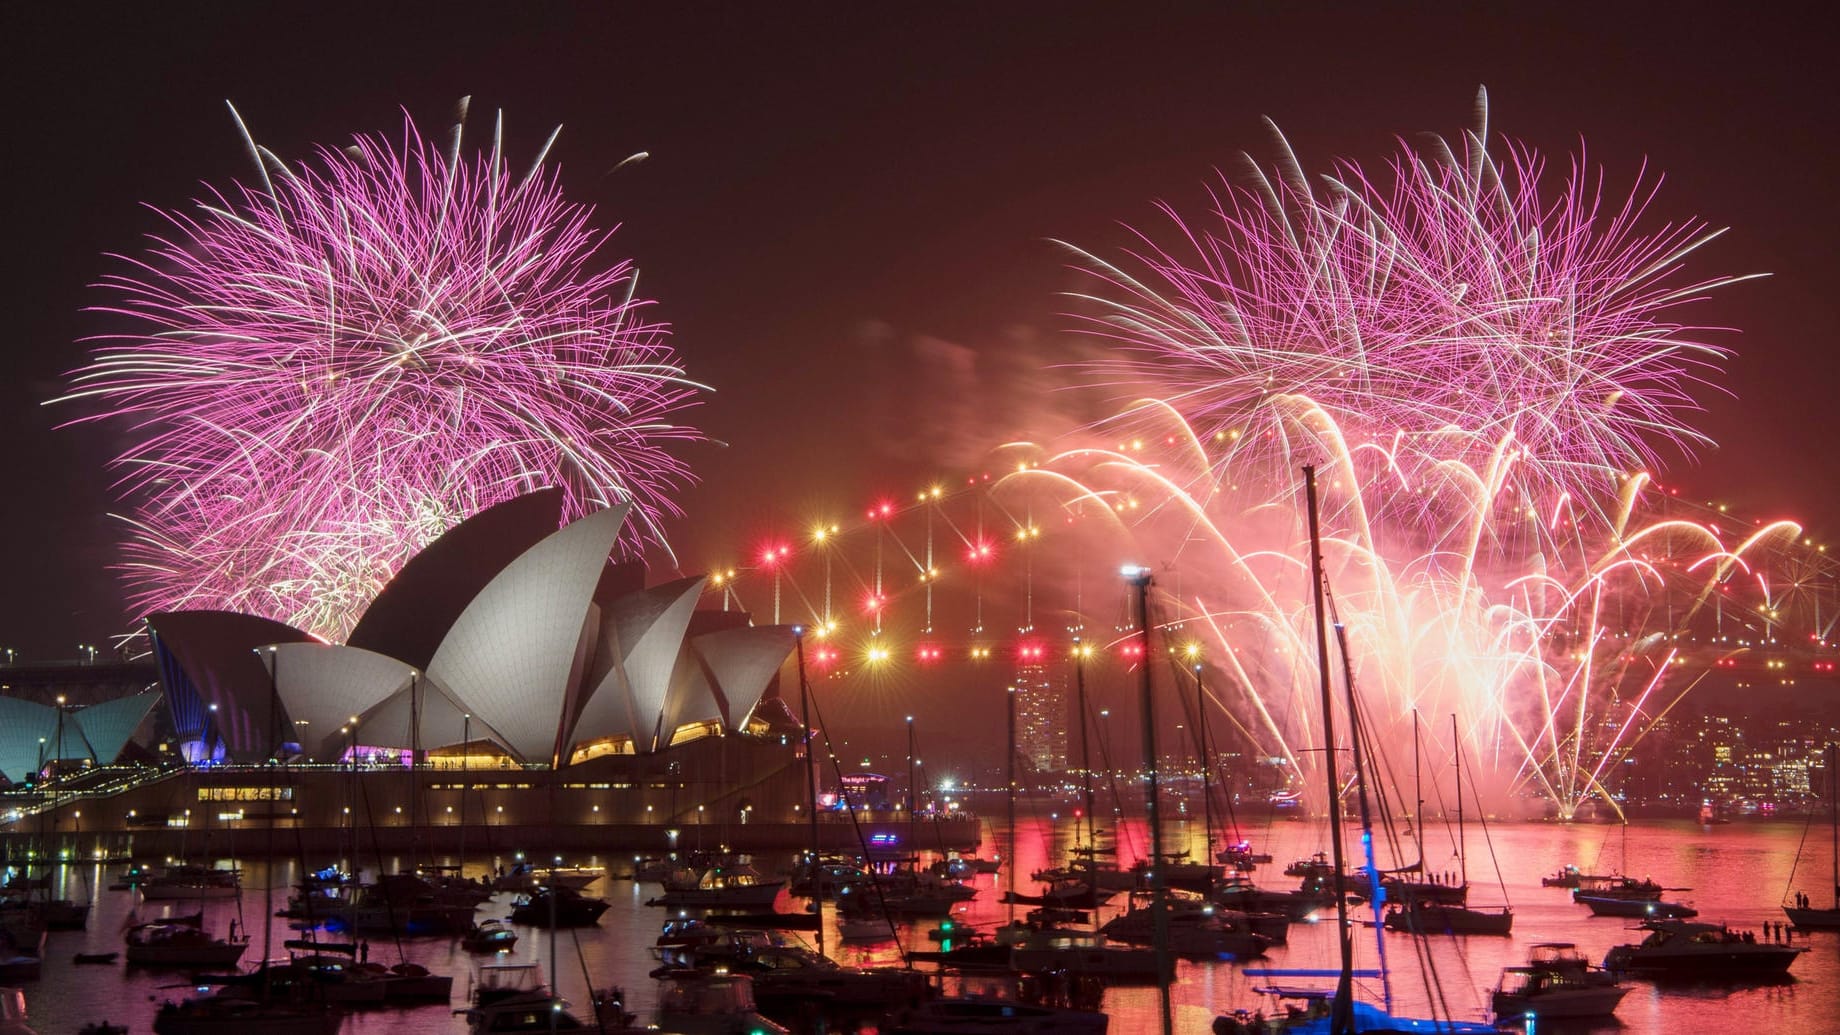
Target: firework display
<point>1555,664</point>
<point>1460,298</point>
<point>323,370</point>
<point>1482,367</point>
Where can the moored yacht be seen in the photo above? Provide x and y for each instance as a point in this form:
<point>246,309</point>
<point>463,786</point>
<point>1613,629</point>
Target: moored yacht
<point>558,907</point>
<point>1640,908</point>
<point>1683,948</point>
<point>188,881</point>
<point>736,886</point>
<point>180,942</point>
<point>1422,917</point>
<point>489,936</point>
<point>1557,981</point>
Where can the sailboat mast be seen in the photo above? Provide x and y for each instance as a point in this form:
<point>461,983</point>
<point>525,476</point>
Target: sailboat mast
<point>1341,1016</point>
<point>1462,842</point>
<point>1159,898</point>
<point>274,797</point>
<point>1207,789</point>
<point>1092,844</point>
<point>912,844</point>
<point>811,789</point>
<point>1418,799</point>
<point>1010,798</point>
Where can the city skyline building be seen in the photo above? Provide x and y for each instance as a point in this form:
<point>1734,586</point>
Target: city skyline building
<point>1041,713</point>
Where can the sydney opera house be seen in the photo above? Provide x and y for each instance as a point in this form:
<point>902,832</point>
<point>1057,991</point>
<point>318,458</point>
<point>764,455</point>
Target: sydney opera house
<point>510,689</point>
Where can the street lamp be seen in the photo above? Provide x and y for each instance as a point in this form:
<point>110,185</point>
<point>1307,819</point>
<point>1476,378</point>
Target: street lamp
<point>60,731</point>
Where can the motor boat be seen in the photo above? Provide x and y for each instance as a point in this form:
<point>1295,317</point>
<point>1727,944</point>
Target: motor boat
<point>736,886</point>
<point>188,881</point>
<point>1639,908</point>
<point>558,907</point>
<point>1617,886</point>
<point>528,877</point>
<point>1557,981</point>
<point>1686,949</point>
<point>693,1002</point>
<point>489,936</point>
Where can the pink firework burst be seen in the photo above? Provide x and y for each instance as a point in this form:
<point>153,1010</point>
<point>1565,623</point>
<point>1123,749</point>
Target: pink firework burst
<point>1464,296</point>
<point>326,369</point>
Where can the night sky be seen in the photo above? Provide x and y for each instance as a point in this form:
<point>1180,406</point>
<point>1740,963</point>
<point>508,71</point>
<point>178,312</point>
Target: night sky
<point>843,201</point>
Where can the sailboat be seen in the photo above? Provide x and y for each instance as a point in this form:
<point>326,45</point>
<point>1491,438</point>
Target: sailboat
<point>1430,916</point>
<point>1336,1012</point>
<point>1408,883</point>
<point>1804,914</point>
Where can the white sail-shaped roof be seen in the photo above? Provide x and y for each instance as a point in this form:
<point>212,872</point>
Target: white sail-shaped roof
<point>108,725</point>
<point>742,663</point>
<point>445,720</point>
<point>22,724</point>
<point>513,652</point>
<point>643,633</point>
<point>322,686</point>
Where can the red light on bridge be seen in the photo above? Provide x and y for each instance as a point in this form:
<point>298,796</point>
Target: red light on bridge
<point>927,653</point>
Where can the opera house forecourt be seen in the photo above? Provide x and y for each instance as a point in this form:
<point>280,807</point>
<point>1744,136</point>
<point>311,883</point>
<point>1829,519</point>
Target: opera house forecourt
<point>510,690</point>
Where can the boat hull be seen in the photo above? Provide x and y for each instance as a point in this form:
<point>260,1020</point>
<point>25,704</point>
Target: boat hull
<point>1571,1002</point>
<point>1432,919</point>
<point>756,896</point>
<point>1636,907</point>
<point>1750,962</point>
<point>192,956</point>
<point>230,1017</point>
<point>1814,919</point>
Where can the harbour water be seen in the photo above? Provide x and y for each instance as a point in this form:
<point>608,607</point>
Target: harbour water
<point>1738,874</point>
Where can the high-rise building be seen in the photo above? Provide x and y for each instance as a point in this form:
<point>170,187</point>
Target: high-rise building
<point>1041,715</point>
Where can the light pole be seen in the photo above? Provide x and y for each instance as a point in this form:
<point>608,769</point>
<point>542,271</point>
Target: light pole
<point>1139,576</point>
<point>60,731</point>
<point>1082,651</point>
<point>911,763</point>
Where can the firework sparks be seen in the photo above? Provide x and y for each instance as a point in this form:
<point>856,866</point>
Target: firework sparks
<point>1481,361</point>
<point>1457,298</point>
<point>328,368</point>
<point>1555,664</point>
